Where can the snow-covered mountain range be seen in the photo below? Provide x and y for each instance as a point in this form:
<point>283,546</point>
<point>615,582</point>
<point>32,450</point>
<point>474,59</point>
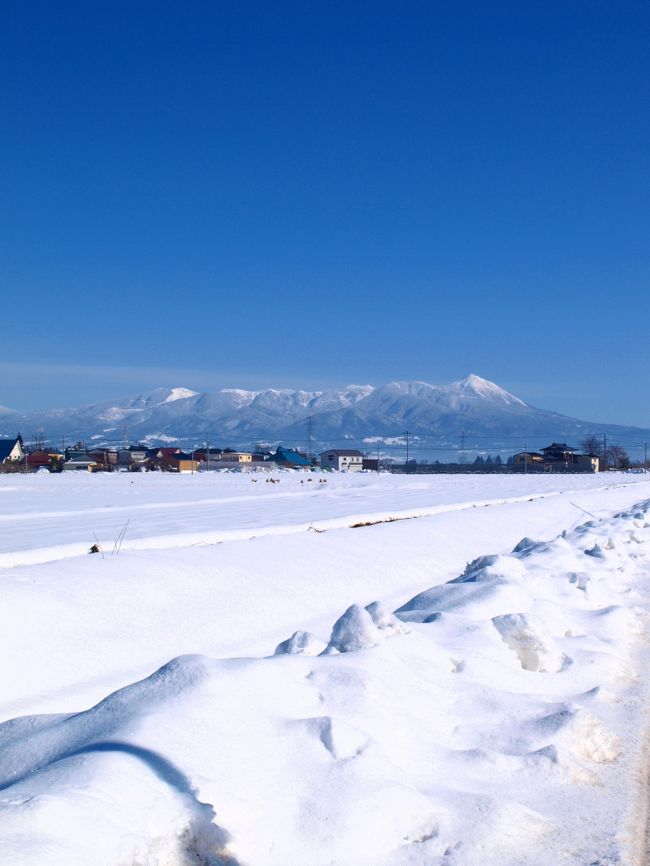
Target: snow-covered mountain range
<point>473,413</point>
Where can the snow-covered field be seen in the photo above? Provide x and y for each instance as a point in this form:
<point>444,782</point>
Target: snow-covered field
<point>490,713</point>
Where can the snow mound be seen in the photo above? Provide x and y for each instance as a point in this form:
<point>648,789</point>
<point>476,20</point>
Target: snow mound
<point>354,630</point>
<point>300,643</point>
<point>528,546</point>
<point>489,586</point>
<point>385,620</point>
<point>358,628</point>
<point>136,788</point>
<point>58,736</point>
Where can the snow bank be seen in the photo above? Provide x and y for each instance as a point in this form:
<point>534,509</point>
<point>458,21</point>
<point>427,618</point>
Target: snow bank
<point>354,630</point>
<point>301,643</point>
<point>491,719</point>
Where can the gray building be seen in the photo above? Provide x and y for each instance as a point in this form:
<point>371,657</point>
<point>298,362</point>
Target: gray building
<point>342,458</point>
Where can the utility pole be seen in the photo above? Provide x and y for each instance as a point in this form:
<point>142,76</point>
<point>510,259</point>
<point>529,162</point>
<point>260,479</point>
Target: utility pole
<point>645,456</point>
<point>525,460</point>
<point>604,452</point>
<point>462,446</point>
<point>406,433</point>
<point>310,428</point>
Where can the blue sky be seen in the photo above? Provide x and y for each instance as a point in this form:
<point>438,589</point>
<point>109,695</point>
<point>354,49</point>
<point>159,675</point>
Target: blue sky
<point>300,194</point>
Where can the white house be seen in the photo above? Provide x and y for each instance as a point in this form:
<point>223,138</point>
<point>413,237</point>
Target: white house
<point>342,458</point>
<point>11,450</point>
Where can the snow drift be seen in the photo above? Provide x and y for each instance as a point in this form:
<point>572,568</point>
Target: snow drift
<point>492,719</point>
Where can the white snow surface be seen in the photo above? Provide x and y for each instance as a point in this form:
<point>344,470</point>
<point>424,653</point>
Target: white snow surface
<point>351,670</point>
<point>179,394</point>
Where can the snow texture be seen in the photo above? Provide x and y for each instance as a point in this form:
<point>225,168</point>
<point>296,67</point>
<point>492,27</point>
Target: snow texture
<point>452,692</point>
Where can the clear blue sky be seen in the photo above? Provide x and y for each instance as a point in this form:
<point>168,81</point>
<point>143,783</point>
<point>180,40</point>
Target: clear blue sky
<point>313,194</point>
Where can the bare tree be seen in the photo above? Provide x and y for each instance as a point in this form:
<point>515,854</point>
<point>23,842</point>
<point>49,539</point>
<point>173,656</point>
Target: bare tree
<point>592,445</point>
<point>618,457</point>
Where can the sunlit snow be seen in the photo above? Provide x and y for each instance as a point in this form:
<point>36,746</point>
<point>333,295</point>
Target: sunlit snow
<point>351,670</point>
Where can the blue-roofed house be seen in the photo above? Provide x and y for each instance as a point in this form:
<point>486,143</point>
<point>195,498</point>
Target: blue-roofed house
<point>290,458</point>
<point>11,450</point>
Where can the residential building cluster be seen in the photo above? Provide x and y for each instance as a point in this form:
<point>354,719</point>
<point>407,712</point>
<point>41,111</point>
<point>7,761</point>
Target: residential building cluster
<point>14,456</point>
<point>141,458</point>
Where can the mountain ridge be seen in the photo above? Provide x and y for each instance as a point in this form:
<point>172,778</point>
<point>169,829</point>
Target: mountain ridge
<point>473,412</point>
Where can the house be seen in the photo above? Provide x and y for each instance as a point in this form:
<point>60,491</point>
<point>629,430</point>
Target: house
<point>11,450</point>
<point>234,458</point>
<point>556,457</point>
<point>78,450</point>
<point>175,460</point>
<point>165,453</point>
<point>183,462</point>
<point>342,458</point>
<point>208,456</point>
<point>81,463</point>
<point>135,457</point>
<point>558,452</point>
<point>163,458</point>
<point>105,457</point>
<point>588,463</point>
<point>530,459</point>
<point>290,458</point>
<point>560,457</point>
<point>212,453</point>
<point>39,459</point>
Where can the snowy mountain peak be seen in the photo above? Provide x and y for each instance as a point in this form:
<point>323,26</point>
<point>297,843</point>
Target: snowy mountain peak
<point>487,390</point>
<point>356,414</point>
<point>179,394</point>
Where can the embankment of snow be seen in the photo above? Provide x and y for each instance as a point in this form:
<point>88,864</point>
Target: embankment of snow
<point>491,720</point>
